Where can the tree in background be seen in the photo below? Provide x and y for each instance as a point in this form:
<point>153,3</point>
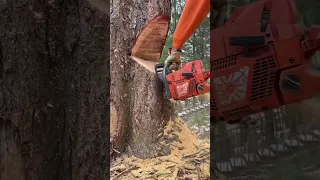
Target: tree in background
<point>198,46</point>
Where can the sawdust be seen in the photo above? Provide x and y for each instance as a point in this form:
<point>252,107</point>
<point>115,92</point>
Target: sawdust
<point>189,158</point>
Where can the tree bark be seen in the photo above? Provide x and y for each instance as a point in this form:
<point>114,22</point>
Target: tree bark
<point>136,93</point>
<point>54,91</point>
<point>102,5</point>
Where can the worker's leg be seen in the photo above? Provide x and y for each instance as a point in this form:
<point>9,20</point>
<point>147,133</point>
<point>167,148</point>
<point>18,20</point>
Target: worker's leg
<point>193,14</point>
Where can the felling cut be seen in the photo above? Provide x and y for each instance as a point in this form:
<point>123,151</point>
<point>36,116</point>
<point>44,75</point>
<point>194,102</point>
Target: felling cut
<point>149,44</point>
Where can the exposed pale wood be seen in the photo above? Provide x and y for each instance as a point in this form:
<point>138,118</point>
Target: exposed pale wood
<point>113,121</point>
<point>149,43</point>
<point>149,65</point>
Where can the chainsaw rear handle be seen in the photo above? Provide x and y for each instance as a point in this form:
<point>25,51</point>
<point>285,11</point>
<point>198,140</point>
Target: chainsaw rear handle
<point>187,74</point>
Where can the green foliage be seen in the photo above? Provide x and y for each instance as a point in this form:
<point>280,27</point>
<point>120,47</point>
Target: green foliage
<point>200,119</point>
<point>309,10</point>
<point>198,46</point>
<point>168,44</point>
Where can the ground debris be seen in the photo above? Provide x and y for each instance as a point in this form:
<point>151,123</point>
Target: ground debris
<point>189,159</point>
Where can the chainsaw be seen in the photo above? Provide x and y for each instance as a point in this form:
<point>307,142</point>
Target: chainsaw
<point>261,59</point>
<point>189,81</point>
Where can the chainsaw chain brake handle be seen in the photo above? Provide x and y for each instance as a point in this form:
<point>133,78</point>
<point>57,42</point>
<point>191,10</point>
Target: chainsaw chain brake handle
<point>302,82</point>
<point>204,87</point>
<point>162,71</point>
<point>311,44</point>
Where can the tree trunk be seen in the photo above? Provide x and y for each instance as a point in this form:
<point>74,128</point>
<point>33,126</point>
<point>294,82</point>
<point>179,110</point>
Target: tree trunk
<point>175,14</point>
<point>136,93</point>
<point>202,46</point>
<point>269,126</point>
<point>194,46</point>
<point>218,13</point>
<point>223,143</point>
<point>243,126</point>
<point>179,107</point>
<point>54,91</point>
<point>183,104</point>
<point>194,102</point>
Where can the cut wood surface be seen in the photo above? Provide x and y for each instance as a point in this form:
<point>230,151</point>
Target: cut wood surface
<point>149,65</point>
<point>150,42</point>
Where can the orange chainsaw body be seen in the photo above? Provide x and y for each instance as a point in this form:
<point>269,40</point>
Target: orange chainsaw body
<point>260,60</point>
<point>191,80</point>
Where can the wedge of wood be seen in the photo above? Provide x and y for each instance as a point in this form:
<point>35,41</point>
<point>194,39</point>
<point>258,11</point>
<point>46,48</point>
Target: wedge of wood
<point>149,44</point>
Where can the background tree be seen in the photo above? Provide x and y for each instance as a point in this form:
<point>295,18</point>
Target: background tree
<point>197,47</point>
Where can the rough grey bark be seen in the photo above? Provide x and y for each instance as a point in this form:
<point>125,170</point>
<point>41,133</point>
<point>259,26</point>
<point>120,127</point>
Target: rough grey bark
<point>54,91</point>
<point>136,93</point>
<point>102,5</point>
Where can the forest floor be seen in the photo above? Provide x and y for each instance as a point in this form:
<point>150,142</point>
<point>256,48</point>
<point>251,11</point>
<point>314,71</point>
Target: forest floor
<point>189,159</point>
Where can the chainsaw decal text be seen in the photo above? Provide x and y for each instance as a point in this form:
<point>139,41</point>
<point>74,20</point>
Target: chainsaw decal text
<point>182,89</point>
<point>232,88</point>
